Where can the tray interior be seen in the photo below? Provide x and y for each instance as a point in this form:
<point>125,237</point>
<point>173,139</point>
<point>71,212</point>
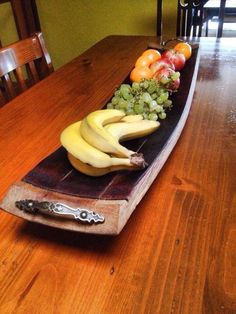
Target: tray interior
<point>56,174</point>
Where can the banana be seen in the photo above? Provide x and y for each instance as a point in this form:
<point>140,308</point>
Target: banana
<point>73,142</point>
<point>92,130</point>
<point>93,171</point>
<point>122,131</point>
<point>132,118</point>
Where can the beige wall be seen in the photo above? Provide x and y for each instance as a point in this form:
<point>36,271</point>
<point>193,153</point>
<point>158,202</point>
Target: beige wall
<point>72,26</point>
<point>7,25</point>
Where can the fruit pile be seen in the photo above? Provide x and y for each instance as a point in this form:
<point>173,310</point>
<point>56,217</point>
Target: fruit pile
<point>153,64</point>
<point>154,77</point>
<point>93,144</point>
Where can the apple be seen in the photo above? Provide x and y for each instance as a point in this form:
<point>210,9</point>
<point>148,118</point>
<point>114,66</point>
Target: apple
<point>168,77</point>
<point>163,62</point>
<point>177,58</point>
<point>174,85</point>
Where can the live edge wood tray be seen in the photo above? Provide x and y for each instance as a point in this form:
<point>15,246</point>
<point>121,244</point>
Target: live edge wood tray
<point>55,194</point>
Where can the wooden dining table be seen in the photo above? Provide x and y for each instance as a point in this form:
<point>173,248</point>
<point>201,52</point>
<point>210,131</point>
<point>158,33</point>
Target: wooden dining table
<point>177,252</point>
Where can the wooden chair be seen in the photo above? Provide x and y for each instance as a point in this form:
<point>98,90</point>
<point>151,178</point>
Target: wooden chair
<point>189,17</point>
<point>22,64</point>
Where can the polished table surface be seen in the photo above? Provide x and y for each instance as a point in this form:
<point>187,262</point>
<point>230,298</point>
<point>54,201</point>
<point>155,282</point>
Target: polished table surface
<point>177,252</point>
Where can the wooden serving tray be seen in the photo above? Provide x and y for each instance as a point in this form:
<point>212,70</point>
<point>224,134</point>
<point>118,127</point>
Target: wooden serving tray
<point>113,196</point>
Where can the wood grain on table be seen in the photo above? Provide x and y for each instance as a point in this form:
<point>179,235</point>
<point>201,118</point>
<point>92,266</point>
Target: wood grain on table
<point>177,252</point>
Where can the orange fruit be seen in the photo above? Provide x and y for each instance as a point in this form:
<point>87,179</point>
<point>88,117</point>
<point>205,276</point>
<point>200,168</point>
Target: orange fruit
<point>152,54</point>
<point>139,73</point>
<point>142,61</point>
<point>184,48</point>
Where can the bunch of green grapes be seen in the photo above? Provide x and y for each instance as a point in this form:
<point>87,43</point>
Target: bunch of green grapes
<point>148,98</point>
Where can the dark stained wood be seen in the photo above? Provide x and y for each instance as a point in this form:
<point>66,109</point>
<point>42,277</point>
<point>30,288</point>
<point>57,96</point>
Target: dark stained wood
<point>221,18</point>
<point>177,252</point>
<point>26,17</point>
<point>159,18</point>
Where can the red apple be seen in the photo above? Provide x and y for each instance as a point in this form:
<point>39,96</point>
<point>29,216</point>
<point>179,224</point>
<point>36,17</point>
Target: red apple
<point>168,77</point>
<point>174,85</point>
<point>177,58</point>
<point>163,62</point>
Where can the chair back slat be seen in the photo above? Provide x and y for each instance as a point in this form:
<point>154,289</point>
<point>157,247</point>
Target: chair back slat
<point>2,97</point>
<point>10,91</point>
<point>189,17</point>
<point>183,20</point>
<point>22,64</point>
<point>19,75</point>
<point>196,18</point>
<point>32,71</point>
<point>7,61</point>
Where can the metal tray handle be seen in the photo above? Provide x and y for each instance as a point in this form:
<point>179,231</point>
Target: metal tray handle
<point>80,214</point>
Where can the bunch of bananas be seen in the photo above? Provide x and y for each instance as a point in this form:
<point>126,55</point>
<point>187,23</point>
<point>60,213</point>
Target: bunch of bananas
<point>93,144</point>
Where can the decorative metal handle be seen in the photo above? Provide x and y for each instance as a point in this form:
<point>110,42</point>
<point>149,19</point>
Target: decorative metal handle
<point>79,214</point>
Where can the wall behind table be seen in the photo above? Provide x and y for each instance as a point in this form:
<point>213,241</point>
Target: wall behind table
<point>72,26</point>
<point>8,31</point>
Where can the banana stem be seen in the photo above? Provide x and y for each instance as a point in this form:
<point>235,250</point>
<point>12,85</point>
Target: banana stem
<point>137,160</point>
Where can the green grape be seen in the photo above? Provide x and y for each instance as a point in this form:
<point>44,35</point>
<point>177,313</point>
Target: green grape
<point>159,100</point>
<point>140,102</point>
<point>130,112</point>
<point>138,109</point>
<point>130,104</point>
<point>117,93</point>
<point>146,97</point>
<point>145,116</point>
<point>162,115</point>
<point>123,104</point>
<point>167,103</point>
<point>125,86</point>
<point>115,100</point>
<point>153,116</point>
<point>127,95</point>
<point>135,85</point>
<point>164,96</point>
<point>154,95</point>
<point>159,109</point>
<point>153,105</point>
<point>158,89</point>
<point>144,84</point>
<point>110,106</point>
<point>164,80</point>
<point>175,76</point>
<point>124,91</point>
<point>151,89</point>
<point>146,108</point>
